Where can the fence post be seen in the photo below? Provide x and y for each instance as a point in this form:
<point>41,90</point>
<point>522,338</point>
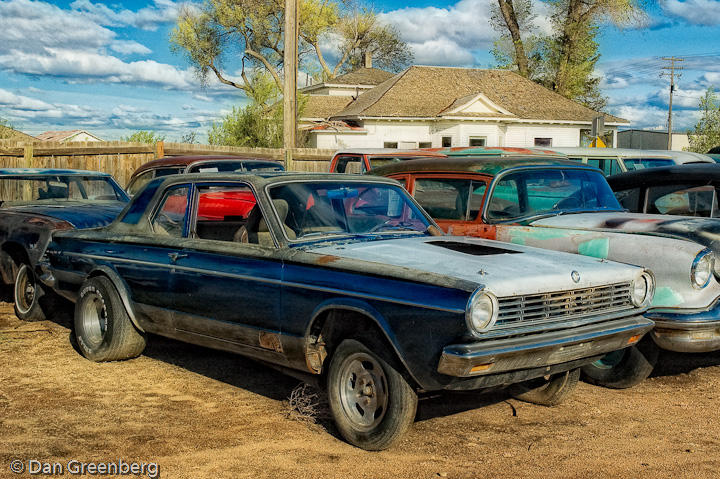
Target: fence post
<point>160,150</point>
<point>28,155</point>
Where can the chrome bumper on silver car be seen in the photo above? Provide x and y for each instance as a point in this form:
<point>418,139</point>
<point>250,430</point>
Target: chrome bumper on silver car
<point>695,332</point>
<point>541,350</point>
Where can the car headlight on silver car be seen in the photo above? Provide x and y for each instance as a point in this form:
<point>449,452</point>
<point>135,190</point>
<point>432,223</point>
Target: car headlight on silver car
<point>643,290</point>
<point>481,312</point>
<point>702,269</point>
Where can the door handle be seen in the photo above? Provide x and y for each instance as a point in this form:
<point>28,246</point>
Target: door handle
<point>176,256</point>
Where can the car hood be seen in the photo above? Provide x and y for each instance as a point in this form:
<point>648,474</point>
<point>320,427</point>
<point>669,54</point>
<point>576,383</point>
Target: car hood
<point>80,215</point>
<point>505,269</point>
<point>705,231</point>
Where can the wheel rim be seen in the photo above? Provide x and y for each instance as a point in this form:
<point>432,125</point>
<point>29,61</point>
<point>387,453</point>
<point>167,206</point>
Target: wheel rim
<point>25,289</point>
<point>610,360</point>
<point>363,391</point>
<point>93,319</point>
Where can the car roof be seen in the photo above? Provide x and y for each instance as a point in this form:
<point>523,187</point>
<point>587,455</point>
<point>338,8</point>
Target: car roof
<point>624,152</point>
<point>270,177</point>
<point>485,165</point>
<point>170,161</point>
<point>494,150</point>
<point>49,171</point>
<point>703,172</point>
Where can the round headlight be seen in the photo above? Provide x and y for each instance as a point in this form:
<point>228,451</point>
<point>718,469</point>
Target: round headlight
<point>481,312</point>
<point>643,289</point>
<point>702,269</point>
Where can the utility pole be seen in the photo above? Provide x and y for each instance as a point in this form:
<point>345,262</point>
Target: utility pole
<point>672,69</point>
<point>290,80</point>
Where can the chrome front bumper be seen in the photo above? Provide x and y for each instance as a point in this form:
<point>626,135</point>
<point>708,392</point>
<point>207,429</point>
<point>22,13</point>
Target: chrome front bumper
<point>534,351</point>
<point>695,332</point>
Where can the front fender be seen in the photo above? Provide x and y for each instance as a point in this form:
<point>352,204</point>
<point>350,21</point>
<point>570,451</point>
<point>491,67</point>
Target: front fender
<point>367,310</point>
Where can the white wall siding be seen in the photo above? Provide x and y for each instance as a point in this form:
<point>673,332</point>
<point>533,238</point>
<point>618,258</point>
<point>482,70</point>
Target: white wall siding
<point>379,132</point>
<point>522,135</point>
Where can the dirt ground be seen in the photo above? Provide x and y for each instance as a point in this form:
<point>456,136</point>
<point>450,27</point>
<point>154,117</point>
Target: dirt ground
<point>200,413</point>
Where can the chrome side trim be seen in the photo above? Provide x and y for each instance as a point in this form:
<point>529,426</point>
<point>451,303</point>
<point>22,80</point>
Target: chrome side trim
<point>267,281</point>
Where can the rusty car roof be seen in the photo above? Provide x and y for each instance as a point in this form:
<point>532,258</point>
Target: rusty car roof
<point>485,165</point>
<point>705,173</point>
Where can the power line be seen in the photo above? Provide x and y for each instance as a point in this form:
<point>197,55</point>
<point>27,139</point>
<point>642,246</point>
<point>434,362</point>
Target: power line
<point>671,69</point>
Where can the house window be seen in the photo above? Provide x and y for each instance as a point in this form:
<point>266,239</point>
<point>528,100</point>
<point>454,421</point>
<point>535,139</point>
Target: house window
<point>390,144</point>
<point>543,142</point>
<point>478,141</point>
<point>425,144</point>
<point>446,141</point>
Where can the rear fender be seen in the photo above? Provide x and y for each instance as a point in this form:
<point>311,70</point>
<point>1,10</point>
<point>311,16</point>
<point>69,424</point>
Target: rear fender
<point>122,289</point>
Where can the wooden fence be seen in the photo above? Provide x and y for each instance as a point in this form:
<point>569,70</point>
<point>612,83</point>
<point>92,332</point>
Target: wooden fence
<point>120,159</point>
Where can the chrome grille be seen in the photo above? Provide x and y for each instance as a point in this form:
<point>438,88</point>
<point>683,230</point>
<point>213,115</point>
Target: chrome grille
<point>559,305</point>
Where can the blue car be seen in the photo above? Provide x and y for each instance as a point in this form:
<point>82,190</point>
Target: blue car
<point>346,279</point>
<point>35,202</point>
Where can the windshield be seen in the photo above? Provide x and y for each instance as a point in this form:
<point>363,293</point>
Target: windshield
<point>223,166</point>
<point>536,192</point>
<point>316,209</point>
<point>53,189</point>
<point>642,163</point>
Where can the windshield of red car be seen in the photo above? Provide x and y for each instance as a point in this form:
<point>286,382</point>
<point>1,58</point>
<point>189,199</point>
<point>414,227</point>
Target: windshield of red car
<point>536,192</point>
<point>54,188</point>
<point>316,209</point>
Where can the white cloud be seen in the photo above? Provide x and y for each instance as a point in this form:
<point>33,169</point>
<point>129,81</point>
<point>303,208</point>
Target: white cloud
<point>449,36</point>
<point>443,52</point>
<point>128,47</point>
<point>20,102</point>
<point>148,18</point>
<point>86,66</point>
<point>697,12</point>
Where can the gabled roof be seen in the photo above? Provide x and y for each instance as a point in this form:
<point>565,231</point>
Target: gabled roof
<point>7,133</point>
<point>362,76</point>
<point>62,135</point>
<point>324,106</point>
<point>430,92</point>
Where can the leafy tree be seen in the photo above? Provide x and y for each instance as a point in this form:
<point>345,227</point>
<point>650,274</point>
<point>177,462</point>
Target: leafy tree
<point>565,61</point>
<point>707,129</point>
<point>144,136</point>
<point>257,124</point>
<point>254,30</point>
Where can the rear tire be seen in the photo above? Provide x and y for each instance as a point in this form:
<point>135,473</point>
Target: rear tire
<point>547,391</point>
<point>103,328</point>
<point>625,368</point>
<point>372,403</point>
<point>26,295</point>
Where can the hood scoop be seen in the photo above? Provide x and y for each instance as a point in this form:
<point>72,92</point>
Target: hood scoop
<point>473,249</point>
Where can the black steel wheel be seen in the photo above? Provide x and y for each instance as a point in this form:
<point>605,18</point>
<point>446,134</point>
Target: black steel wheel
<point>372,403</point>
<point>27,294</point>
<point>547,390</point>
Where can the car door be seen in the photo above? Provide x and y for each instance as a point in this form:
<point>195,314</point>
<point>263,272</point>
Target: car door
<point>224,288</point>
<point>453,201</point>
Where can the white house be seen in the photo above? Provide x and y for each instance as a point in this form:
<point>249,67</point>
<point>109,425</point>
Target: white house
<point>67,136</point>
<point>444,106</point>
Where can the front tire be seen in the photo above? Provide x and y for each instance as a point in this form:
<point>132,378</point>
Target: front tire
<point>547,391</point>
<point>372,403</point>
<point>103,328</point>
<point>26,295</point>
<point>624,368</point>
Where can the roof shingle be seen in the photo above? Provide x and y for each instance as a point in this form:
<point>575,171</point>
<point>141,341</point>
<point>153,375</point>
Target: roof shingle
<point>427,92</point>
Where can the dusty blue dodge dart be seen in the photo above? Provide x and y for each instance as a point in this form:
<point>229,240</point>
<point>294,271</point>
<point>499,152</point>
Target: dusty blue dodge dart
<point>346,279</point>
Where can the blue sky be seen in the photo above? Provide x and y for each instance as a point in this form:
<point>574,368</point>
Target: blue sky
<point>106,67</point>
